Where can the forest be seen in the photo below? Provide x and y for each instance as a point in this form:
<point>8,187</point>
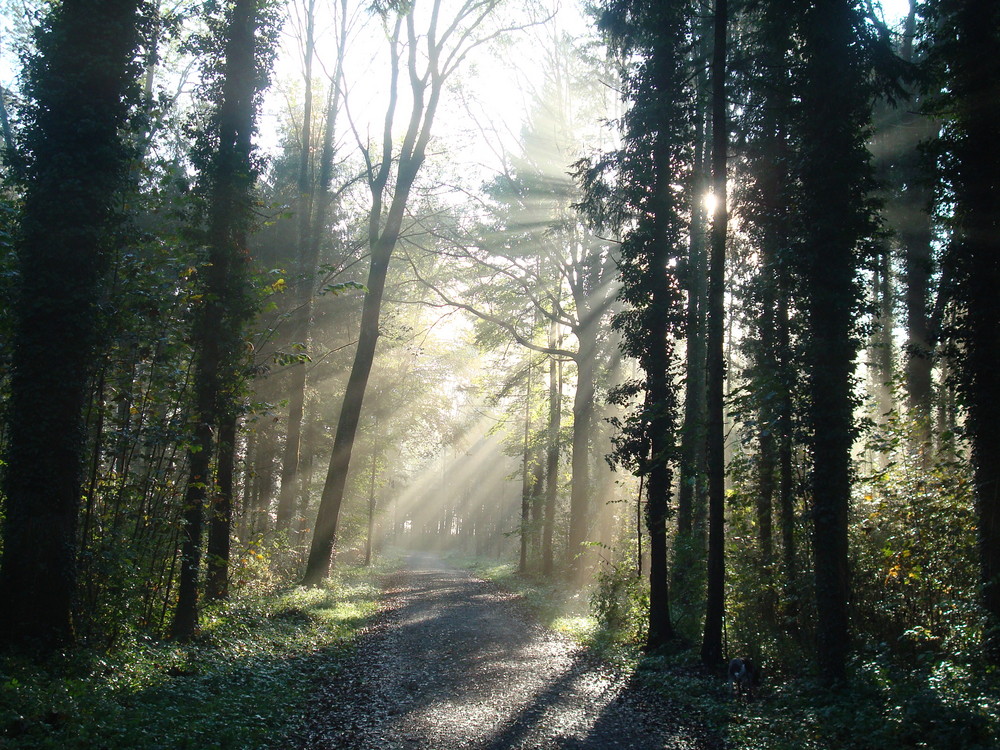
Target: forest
<point>350,349</point>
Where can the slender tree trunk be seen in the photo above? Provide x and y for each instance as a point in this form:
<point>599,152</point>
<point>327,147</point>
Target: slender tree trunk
<point>786,477</point>
<point>774,437</point>
<point>711,647</point>
<point>583,418</point>
<point>371,510</point>
<point>426,89</point>
<point>221,515</point>
<point>537,510</point>
<point>689,548</point>
<point>552,457</point>
<point>692,465</point>
<point>321,551</point>
<point>185,622</point>
<point>880,344</point>
<point>526,491</point>
<point>67,226</point>
<point>661,404</point>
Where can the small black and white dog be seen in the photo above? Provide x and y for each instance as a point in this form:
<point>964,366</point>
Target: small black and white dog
<point>744,677</point>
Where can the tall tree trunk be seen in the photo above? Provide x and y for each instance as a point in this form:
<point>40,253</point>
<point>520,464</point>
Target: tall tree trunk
<point>371,509</point>
<point>711,647</point>
<point>321,550</point>
<point>80,82</point>
<point>772,387</point>
<point>583,418</point>
<point>689,551</point>
<point>880,358</point>
<point>836,178</point>
<point>219,321</point>
<point>658,121</point>
<point>661,402</point>
<point>974,70</point>
<point>426,87</point>
<point>248,476</point>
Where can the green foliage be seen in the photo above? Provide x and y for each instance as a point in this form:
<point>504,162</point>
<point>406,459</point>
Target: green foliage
<point>238,686</point>
<point>914,557</point>
<point>620,602</point>
<point>884,706</point>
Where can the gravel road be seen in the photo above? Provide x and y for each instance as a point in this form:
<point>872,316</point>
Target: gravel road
<point>456,663</point>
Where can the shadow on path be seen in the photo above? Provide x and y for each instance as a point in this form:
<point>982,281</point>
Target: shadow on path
<point>456,663</point>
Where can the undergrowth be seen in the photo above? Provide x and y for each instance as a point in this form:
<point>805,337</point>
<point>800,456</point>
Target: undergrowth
<point>238,685</point>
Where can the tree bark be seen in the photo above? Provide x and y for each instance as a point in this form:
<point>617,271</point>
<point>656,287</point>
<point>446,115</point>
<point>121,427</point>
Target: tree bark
<point>321,550</point>
<point>661,403</point>
<point>974,70</point>
<point>526,491</point>
<point>552,457</point>
<point>583,418</point>
<point>221,514</point>
<point>711,647</point>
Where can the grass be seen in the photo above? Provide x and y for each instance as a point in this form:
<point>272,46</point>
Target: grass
<point>550,602</point>
<point>934,701</point>
<point>240,685</point>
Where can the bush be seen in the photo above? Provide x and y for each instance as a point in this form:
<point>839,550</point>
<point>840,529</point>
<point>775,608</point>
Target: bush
<point>620,602</point>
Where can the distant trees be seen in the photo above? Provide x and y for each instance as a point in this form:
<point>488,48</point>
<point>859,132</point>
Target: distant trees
<point>81,81</point>
<point>443,46</point>
<point>313,202</point>
<point>532,273</point>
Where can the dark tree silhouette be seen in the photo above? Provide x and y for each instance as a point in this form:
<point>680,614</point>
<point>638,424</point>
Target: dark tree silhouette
<point>836,218</point>
<point>711,646</point>
<point>966,36</point>
<point>228,175</point>
<point>79,84</point>
<point>657,138</point>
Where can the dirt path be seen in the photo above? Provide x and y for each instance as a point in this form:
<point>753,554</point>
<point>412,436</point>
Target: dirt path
<point>454,663</point>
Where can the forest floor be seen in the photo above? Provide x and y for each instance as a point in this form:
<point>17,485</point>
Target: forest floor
<point>456,662</point>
